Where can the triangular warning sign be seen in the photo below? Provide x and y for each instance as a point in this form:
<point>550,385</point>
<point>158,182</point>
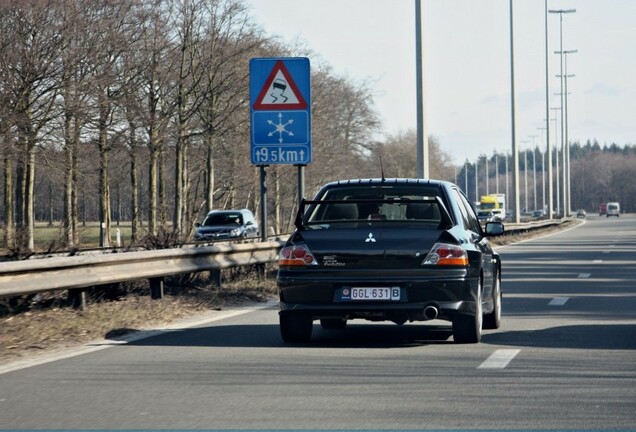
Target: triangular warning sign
<point>280,92</point>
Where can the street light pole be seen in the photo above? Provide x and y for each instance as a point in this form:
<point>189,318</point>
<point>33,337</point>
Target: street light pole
<point>497,173</point>
<point>543,185</point>
<point>556,162</point>
<point>563,146</point>
<point>515,150</point>
<point>547,116</point>
<point>466,177</point>
<point>476,180</point>
<point>525,175</point>
<point>422,139</point>
<point>534,172</point>
<point>566,175</point>
<point>507,183</point>
<point>486,177</point>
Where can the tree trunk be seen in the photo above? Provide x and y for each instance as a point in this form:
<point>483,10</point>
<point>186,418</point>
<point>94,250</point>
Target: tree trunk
<point>69,234</point>
<point>74,195</point>
<point>153,172</point>
<point>134,186</point>
<point>104,189</point>
<point>30,197</point>
<point>210,177</point>
<point>163,205</point>
<point>9,216</point>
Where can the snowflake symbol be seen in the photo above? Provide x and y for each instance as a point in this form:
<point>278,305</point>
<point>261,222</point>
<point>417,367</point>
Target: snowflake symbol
<point>280,128</point>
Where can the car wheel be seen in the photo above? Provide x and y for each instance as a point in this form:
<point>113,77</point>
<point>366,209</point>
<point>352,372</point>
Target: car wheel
<point>333,323</point>
<point>493,319</point>
<point>295,327</point>
<point>467,328</point>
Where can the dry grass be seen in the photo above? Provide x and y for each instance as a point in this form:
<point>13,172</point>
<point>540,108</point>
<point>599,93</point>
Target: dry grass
<point>52,324</point>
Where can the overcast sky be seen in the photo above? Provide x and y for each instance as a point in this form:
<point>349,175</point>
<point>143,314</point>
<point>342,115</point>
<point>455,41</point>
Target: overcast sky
<point>467,64</point>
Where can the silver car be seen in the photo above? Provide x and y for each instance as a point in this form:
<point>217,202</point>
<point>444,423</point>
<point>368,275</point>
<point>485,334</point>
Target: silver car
<point>227,224</point>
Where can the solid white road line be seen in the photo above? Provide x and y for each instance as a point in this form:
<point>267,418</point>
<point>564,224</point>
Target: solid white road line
<point>105,344</point>
<point>499,359</point>
<point>558,301</point>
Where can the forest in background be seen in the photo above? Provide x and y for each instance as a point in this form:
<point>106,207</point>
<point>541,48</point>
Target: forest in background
<point>599,174</point>
<point>138,110</point>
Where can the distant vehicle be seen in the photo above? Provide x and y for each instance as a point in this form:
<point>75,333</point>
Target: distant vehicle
<point>613,209</point>
<point>581,214</point>
<point>227,224</point>
<point>395,250</point>
<point>495,203</point>
<point>602,209</point>
<point>537,214</point>
<point>487,216</point>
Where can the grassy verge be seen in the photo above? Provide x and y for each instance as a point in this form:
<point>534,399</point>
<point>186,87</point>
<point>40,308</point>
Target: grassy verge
<point>48,323</point>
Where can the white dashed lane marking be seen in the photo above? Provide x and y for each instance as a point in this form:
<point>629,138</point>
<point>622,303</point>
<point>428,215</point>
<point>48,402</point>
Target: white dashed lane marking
<point>584,275</point>
<point>499,359</point>
<point>558,301</point>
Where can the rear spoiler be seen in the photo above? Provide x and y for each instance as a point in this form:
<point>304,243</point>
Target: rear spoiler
<point>304,204</point>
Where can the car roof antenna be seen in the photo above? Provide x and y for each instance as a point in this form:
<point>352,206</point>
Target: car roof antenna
<point>382,169</point>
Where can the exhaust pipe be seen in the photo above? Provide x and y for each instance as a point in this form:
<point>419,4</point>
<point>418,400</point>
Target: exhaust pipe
<point>431,312</point>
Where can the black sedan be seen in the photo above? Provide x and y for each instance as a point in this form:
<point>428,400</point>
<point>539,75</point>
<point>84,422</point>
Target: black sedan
<point>397,250</point>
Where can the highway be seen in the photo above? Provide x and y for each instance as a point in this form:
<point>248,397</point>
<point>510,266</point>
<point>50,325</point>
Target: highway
<point>565,357</point>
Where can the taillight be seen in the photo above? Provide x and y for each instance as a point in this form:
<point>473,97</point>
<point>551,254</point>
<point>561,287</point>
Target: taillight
<point>446,254</point>
<point>297,255</point>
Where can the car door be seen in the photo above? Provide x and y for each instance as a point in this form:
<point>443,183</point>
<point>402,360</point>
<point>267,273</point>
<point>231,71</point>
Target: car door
<point>480,242</point>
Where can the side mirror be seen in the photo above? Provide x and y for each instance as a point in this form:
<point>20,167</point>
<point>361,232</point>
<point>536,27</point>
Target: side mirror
<point>198,224</point>
<point>494,229</point>
<point>249,223</point>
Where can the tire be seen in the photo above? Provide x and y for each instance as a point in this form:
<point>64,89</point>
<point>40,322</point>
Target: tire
<point>467,328</point>
<point>333,323</point>
<point>295,327</point>
<point>492,320</point>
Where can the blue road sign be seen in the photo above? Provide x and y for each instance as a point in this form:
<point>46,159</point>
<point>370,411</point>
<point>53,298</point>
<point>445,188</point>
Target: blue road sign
<point>280,106</point>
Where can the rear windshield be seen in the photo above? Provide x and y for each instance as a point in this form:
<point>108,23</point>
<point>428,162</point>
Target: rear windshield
<point>376,205</point>
<point>223,219</point>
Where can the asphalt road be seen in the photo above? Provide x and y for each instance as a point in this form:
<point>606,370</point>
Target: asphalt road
<point>565,357</point>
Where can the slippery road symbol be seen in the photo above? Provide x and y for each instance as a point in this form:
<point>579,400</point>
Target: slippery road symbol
<point>280,128</point>
<point>278,88</point>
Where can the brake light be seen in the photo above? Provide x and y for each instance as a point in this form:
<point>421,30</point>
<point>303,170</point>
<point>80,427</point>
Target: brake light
<point>297,255</point>
<point>446,254</point>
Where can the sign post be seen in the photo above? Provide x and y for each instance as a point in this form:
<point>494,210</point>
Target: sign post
<point>280,116</point>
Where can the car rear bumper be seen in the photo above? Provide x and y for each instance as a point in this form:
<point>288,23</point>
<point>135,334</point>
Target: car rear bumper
<point>449,296</point>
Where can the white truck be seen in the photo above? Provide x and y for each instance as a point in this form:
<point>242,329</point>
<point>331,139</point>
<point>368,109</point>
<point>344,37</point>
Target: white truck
<point>613,209</point>
<point>495,203</point>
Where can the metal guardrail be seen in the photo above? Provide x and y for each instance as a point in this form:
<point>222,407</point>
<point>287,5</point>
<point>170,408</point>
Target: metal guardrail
<point>83,271</point>
<point>78,272</point>
<point>516,228</point>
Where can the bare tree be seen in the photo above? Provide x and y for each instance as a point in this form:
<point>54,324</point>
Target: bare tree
<point>115,31</point>
<point>397,153</point>
<point>188,27</point>
<point>34,33</point>
<point>79,43</point>
<point>157,87</point>
<point>230,38</point>
<point>7,109</point>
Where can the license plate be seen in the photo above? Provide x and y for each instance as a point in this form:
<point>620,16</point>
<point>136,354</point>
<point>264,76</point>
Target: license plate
<point>373,293</point>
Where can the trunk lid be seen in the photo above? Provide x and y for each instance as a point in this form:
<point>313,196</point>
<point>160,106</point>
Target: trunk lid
<point>371,247</point>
